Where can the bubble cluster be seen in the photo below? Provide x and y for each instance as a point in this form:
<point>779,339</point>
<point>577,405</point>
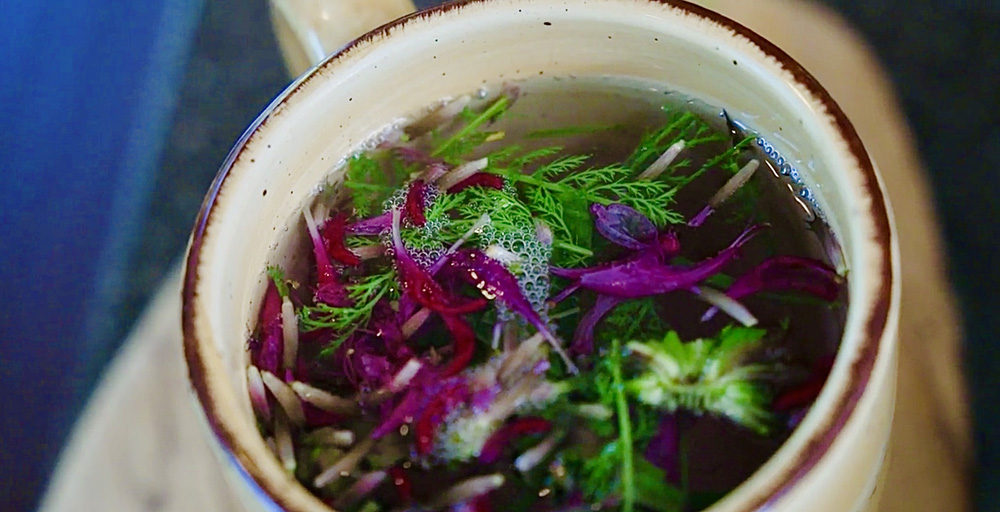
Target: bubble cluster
<point>531,268</point>
<point>463,434</point>
<point>423,243</point>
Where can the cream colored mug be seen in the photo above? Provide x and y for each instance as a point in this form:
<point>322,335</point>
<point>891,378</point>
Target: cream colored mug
<point>832,462</point>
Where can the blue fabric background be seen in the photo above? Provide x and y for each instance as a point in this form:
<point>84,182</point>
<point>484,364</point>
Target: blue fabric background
<point>107,147</point>
<point>86,98</point>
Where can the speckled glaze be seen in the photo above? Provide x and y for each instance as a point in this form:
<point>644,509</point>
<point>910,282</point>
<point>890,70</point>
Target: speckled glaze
<point>251,215</point>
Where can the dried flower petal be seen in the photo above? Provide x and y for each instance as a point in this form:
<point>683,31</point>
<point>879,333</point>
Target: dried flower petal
<point>646,275</point>
<point>464,342</point>
<point>415,203</point>
<point>334,230</point>
<point>481,179</point>
<point>267,350</point>
<point>664,448</point>
<point>785,273</point>
<point>623,225</point>
<point>418,283</point>
<point>494,280</point>
<point>583,337</point>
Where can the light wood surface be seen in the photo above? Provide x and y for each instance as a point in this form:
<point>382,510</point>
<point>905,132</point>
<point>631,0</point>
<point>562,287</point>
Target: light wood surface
<point>140,445</point>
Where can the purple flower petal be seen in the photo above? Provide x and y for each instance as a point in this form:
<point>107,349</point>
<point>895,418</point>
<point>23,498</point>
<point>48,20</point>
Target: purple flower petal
<point>372,226</point>
<point>663,450</point>
<point>332,233</point>
<point>421,286</point>
<point>623,225</point>
<point>463,341</point>
<point>645,275</point>
<point>481,179</point>
<point>266,350</point>
<point>583,338</point>
<point>416,202</point>
<point>494,446</point>
<point>786,273</point>
<point>493,279</point>
<point>408,407</point>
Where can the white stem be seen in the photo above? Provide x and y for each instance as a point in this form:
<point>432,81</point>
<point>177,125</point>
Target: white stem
<point>283,443</point>
<point>460,173</point>
<point>345,465</point>
<point>405,375</point>
<point>557,346</point>
<point>477,227</point>
<point>290,332</point>
<point>497,333</point>
<point>731,307</point>
<point>272,446</point>
<point>368,252</point>
<point>656,168</point>
<point>323,399</point>
<point>444,114</point>
<point>734,183</point>
<point>363,487</point>
<point>501,254</point>
<point>467,490</point>
<point>536,454</point>
<point>334,437</point>
<point>412,324</point>
<point>524,356</point>
<point>287,398</point>
<point>310,223</point>
<point>258,394</point>
<point>595,411</point>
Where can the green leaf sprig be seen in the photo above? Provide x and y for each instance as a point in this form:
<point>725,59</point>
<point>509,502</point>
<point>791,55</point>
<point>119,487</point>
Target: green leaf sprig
<point>707,375</point>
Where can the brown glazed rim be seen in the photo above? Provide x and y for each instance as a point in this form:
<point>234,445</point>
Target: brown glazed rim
<point>816,445</point>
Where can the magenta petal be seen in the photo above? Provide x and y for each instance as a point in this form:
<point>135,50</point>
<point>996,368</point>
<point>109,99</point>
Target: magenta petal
<point>480,179</point>
<point>492,278</point>
<point>332,233</point>
<point>333,293</point>
<point>316,417</point>
<point>788,273</point>
<point>623,225</point>
<point>372,226</point>
<point>669,245</point>
<point>583,338</point>
<point>408,407</point>
<point>664,448</point>
<point>266,352</point>
<point>646,275</point>
<point>421,286</point>
<point>416,202</point>
<point>494,446</point>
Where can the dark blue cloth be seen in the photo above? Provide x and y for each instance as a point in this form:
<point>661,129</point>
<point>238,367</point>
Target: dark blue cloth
<point>87,90</point>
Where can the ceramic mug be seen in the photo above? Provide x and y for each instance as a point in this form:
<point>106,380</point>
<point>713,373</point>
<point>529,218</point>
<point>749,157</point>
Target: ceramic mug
<point>251,216</point>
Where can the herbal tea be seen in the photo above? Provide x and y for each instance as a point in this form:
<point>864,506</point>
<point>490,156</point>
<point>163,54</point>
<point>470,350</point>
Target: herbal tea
<point>575,294</point>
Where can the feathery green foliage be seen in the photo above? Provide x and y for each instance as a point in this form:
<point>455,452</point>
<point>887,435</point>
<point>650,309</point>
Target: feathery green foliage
<point>365,295</point>
<point>707,376</point>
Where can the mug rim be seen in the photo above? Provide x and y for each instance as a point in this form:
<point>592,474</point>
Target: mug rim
<point>878,319</point>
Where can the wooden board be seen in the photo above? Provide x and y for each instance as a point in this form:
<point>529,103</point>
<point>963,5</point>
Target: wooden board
<point>140,447</point>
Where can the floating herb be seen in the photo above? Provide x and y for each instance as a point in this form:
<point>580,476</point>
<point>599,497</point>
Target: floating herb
<point>432,345</point>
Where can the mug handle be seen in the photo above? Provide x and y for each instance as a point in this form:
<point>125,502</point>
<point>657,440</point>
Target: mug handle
<point>309,30</point>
